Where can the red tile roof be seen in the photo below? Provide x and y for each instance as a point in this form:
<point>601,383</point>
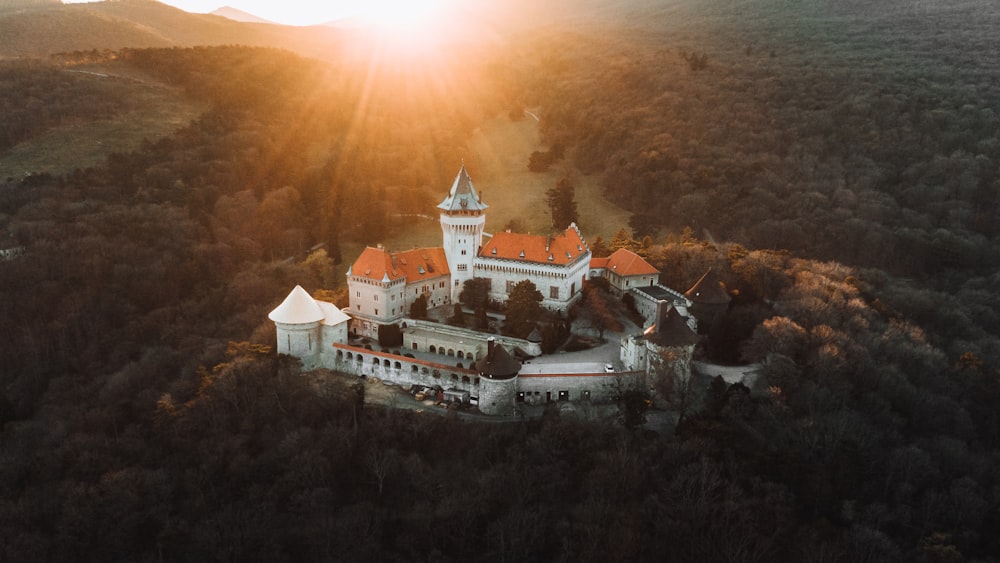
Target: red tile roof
<point>599,263</point>
<point>418,264</point>
<point>560,249</point>
<point>627,263</point>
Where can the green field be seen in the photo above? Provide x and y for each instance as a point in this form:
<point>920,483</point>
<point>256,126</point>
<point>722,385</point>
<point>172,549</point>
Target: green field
<point>158,111</point>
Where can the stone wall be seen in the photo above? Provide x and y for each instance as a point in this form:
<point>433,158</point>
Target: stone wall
<point>595,387</point>
<point>449,341</point>
<point>400,370</point>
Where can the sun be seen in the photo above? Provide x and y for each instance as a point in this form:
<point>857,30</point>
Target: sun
<point>406,22</point>
<point>401,15</point>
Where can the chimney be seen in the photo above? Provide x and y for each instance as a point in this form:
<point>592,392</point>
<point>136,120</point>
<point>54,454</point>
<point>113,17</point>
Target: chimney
<point>661,312</point>
<point>490,345</point>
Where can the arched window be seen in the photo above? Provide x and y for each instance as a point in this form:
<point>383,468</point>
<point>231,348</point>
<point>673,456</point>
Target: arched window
<point>385,363</point>
<point>413,368</point>
<point>340,354</point>
<point>451,352</point>
<point>397,365</point>
<point>374,361</point>
<point>460,354</point>
<point>465,379</point>
<point>432,349</point>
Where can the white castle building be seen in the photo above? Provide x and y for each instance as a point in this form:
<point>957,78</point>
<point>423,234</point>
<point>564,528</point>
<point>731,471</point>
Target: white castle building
<point>384,285</point>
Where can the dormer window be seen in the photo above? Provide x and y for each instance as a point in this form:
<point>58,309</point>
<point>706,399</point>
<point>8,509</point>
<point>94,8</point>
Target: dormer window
<point>494,252</point>
<point>522,254</point>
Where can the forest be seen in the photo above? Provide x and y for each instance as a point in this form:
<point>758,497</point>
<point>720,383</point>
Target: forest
<point>847,200</point>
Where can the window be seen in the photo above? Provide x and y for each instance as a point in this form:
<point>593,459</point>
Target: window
<point>359,294</point>
<point>375,298</point>
<point>553,292</point>
<point>572,288</point>
<point>463,252</point>
<point>510,286</point>
<point>463,267</point>
<point>376,311</point>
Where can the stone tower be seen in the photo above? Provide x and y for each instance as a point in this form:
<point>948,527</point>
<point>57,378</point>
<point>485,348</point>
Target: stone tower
<point>297,321</point>
<point>463,218</point>
<point>498,380</point>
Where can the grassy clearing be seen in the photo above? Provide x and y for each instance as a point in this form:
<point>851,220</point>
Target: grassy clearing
<point>501,149</point>
<point>499,168</point>
<point>158,111</point>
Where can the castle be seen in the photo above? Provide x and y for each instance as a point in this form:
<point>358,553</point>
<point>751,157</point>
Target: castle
<point>479,366</point>
<point>383,285</point>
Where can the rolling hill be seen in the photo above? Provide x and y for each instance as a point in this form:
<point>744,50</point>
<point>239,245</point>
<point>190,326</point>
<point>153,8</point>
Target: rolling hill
<point>38,30</point>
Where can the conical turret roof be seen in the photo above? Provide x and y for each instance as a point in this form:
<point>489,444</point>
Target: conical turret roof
<point>298,308</point>
<point>708,290</point>
<point>498,363</point>
<point>463,196</point>
<point>672,331</point>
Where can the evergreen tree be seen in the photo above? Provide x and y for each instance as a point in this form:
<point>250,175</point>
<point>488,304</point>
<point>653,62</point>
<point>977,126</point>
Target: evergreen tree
<point>599,248</point>
<point>562,203</point>
<point>475,293</point>
<point>623,239</point>
<point>419,308</point>
<point>524,309</point>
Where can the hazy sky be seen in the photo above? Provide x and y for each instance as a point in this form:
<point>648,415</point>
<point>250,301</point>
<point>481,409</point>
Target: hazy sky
<point>291,12</point>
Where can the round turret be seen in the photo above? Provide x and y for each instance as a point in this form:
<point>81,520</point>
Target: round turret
<point>498,380</point>
<point>297,322</point>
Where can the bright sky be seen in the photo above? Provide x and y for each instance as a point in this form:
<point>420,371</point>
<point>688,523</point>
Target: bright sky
<point>308,12</point>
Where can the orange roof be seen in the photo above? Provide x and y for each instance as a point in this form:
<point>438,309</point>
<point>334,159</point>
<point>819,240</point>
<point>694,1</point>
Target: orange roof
<point>418,264</point>
<point>561,249</point>
<point>627,263</point>
<point>599,263</point>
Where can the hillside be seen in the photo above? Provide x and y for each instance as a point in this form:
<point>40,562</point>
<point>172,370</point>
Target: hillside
<point>836,164</point>
<point>42,29</point>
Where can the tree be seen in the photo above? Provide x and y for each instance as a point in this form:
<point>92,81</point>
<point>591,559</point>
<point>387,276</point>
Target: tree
<point>320,263</point>
<point>562,203</point>
<point>599,248</point>
<point>524,309</point>
<point>457,317</point>
<point>419,308</point>
<point>673,381</point>
<point>644,224</point>
<point>389,336</point>
<point>475,293</point>
<point>600,310</point>
<point>622,239</point>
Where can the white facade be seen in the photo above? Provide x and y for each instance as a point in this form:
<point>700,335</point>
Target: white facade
<point>559,286</point>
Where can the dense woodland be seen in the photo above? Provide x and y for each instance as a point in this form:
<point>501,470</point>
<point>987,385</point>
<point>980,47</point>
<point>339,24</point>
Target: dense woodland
<point>847,200</point>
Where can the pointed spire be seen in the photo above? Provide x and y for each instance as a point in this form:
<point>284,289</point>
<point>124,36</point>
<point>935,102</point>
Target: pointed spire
<point>463,196</point>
